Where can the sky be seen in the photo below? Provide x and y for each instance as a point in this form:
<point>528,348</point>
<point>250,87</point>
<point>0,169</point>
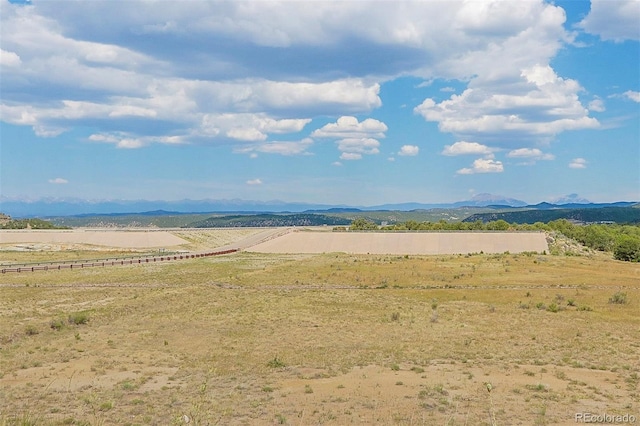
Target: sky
<point>333,102</point>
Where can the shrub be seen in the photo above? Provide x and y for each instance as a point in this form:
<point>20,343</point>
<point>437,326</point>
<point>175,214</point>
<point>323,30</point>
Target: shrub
<point>127,385</point>
<point>362,224</point>
<point>276,363</point>
<point>57,324</point>
<point>537,388</point>
<point>618,298</point>
<point>78,318</point>
<point>106,406</point>
<point>31,330</point>
<point>627,249</point>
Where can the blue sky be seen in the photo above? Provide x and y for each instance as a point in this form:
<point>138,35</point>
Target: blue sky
<point>333,102</point>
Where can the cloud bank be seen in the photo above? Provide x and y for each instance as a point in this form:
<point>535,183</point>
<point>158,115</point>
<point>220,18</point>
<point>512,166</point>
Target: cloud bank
<point>211,72</point>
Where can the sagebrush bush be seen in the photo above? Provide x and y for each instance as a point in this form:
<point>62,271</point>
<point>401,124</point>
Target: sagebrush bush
<point>276,363</point>
<point>57,324</point>
<point>78,318</point>
<point>31,330</point>
<point>618,298</point>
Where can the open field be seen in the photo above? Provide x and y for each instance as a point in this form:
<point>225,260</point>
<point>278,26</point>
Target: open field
<point>123,239</point>
<point>405,242</point>
<point>256,338</point>
<point>69,244</point>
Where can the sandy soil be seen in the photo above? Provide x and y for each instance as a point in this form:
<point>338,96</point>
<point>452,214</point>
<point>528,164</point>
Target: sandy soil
<point>124,239</point>
<point>404,243</point>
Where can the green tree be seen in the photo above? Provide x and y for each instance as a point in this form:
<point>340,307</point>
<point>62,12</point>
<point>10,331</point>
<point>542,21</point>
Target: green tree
<point>627,249</point>
<point>362,224</point>
<point>598,237</point>
<point>412,225</point>
<point>498,225</point>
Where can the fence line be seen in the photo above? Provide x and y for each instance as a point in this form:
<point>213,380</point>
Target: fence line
<point>28,265</point>
<point>131,261</point>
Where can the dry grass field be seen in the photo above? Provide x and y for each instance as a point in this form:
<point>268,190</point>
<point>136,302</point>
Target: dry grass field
<point>307,339</point>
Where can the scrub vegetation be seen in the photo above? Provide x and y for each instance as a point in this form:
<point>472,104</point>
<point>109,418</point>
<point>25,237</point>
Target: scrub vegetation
<point>8,223</point>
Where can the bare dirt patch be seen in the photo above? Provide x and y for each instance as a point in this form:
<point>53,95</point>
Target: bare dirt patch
<point>134,240</point>
<point>121,239</point>
<point>405,243</point>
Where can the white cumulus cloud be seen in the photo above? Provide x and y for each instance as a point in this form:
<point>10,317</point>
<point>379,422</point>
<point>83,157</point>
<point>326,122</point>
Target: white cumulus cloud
<point>355,138</point>
<point>578,163</point>
<point>536,105</point>
<point>248,127</point>
<point>9,59</point>
<point>613,20</point>
<point>409,150</point>
<point>129,141</point>
<point>354,148</point>
<point>530,153</point>
<point>634,96</point>
<point>130,110</point>
<point>483,165</point>
<point>597,105</point>
<point>245,134</point>
<point>349,127</point>
<point>466,148</point>
<point>269,66</point>
<point>254,182</point>
<point>350,156</point>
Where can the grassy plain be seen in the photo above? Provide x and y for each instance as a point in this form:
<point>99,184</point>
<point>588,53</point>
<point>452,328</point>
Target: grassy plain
<point>322,339</point>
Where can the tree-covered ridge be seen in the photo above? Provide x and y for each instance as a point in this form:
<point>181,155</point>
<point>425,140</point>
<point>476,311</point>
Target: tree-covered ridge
<point>267,220</point>
<point>586,215</point>
<point>362,224</point>
<point>622,240</point>
<point>28,224</point>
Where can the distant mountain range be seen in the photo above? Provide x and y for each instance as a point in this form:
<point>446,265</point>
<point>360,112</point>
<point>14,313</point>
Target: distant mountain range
<point>54,207</point>
<point>570,199</point>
